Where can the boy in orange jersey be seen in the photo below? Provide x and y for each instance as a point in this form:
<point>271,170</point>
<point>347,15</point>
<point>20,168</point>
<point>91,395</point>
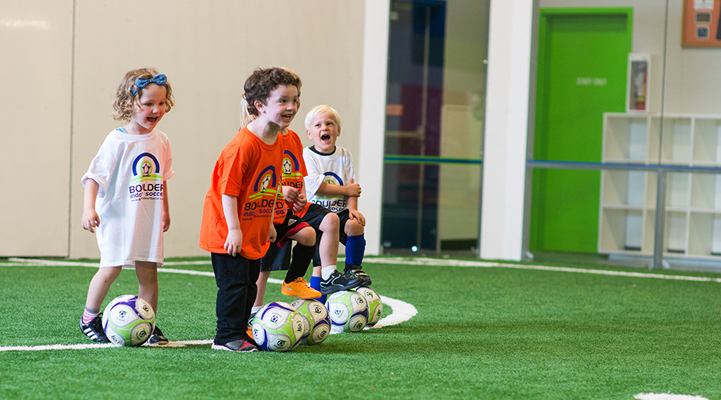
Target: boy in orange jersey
<point>237,225</point>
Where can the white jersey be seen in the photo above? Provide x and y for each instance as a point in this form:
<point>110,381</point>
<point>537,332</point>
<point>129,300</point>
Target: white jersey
<point>131,171</point>
<point>333,169</point>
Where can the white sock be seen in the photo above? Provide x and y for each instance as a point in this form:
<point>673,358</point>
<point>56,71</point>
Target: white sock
<point>255,309</point>
<point>326,272</point>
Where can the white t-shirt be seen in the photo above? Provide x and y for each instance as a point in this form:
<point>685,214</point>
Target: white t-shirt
<point>131,171</point>
<point>333,169</point>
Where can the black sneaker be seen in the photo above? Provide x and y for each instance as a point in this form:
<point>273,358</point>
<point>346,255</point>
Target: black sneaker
<point>157,337</point>
<point>357,272</point>
<point>236,345</point>
<point>94,329</point>
<point>337,282</point>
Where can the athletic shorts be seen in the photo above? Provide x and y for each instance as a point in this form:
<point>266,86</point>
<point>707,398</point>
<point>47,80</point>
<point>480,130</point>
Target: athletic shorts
<point>277,258</point>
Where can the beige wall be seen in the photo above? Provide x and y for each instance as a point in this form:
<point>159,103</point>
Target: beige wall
<point>35,104</point>
<point>64,68</point>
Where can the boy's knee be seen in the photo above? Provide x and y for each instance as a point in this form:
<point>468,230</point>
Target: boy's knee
<point>354,228</point>
<point>330,222</point>
<point>306,236</point>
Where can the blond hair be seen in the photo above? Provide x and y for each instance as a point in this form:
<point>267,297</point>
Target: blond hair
<point>321,109</point>
<point>128,93</point>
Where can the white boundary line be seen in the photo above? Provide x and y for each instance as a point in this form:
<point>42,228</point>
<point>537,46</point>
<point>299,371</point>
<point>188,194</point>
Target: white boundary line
<point>486,264</point>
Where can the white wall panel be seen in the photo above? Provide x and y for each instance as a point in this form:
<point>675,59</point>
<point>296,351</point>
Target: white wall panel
<point>207,50</point>
<point>36,65</point>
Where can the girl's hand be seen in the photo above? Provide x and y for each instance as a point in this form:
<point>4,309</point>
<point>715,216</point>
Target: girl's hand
<point>90,219</point>
<point>353,189</point>
<point>166,222</point>
<point>354,214</point>
<point>233,241</point>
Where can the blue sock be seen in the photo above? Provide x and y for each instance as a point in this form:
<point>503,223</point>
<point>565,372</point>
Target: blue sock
<point>355,248</point>
<point>315,284</point>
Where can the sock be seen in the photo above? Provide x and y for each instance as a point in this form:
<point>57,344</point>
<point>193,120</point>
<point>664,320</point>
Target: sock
<point>355,248</point>
<point>255,310</point>
<point>315,284</point>
<point>326,272</point>
<point>302,255</point>
<point>89,315</point>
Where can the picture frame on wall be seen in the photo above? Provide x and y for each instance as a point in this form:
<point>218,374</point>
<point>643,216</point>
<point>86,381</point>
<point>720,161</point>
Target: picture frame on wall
<point>637,82</point>
<point>701,23</point>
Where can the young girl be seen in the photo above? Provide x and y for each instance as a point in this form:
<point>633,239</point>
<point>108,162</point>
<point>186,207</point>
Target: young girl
<point>126,195</point>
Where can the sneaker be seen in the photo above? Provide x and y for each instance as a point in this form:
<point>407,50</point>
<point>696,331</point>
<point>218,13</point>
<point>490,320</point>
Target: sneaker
<point>337,282</point>
<point>299,288</point>
<point>94,329</point>
<point>235,345</point>
<point>157,337</point>
<point>359,273</point>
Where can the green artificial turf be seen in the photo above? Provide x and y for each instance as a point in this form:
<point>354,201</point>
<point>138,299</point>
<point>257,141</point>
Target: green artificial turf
<point>488,333</point>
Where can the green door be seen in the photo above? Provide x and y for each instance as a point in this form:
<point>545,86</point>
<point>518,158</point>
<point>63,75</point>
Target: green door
<point>582,62</point>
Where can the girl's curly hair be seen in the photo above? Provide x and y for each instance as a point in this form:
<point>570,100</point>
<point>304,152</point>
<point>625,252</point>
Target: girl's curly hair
<point>124,97</point>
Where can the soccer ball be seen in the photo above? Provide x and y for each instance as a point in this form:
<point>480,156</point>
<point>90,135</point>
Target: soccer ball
<point>348,311</point>
<point>315,315</point>
<point>128,321</point>
<point>277,327</point>
<point>375,306</point>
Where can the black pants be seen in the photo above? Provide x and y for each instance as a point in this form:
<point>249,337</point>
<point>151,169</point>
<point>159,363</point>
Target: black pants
<point>235,278</point>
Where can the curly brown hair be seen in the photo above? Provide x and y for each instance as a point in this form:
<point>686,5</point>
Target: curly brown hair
<point>124,97</point>
<point>263,81</point>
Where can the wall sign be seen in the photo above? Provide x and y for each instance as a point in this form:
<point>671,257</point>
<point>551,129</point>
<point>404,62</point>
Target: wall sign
<point>700,25</point>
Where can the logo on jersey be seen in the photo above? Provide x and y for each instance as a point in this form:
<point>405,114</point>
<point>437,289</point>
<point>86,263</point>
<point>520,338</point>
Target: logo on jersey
<point>147,180</point>
<point>332,179</point>
<point>333,203</point>
<point>261,201</point>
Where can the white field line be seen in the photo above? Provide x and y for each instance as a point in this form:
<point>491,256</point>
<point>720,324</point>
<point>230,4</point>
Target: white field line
<point>666,396</point>
<point>405,261</point>
<point>486,264</point>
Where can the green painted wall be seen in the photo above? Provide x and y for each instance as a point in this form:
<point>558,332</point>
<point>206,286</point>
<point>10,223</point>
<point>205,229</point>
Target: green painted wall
<point>582,62</point>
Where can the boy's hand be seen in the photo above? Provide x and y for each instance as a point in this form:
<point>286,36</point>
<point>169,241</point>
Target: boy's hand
<point>354,214</point>
<point>90,220</point>
<point>299,202</point>
<point>353,189</point>
<point>233,241</point>
<point>290,193</point>
<point>272,234</point>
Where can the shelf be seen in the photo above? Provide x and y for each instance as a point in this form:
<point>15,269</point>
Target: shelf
<point>693,200</point>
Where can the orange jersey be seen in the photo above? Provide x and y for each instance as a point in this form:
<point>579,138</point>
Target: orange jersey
<point>294,166</point>
<point>247,169</point>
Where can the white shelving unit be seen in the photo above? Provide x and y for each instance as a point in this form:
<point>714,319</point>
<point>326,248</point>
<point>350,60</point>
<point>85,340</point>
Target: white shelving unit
<point>628,198</point>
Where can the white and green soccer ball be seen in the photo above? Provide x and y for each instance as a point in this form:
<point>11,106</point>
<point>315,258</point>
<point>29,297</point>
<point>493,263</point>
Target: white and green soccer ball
<point>375,305</point>
<point>348,311</point>
<point>277,326</point>
<point>316,317</point>
<point>128,321</point>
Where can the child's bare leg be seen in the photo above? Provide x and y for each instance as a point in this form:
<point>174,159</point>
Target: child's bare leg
<point>354,228</point>
<point>99,286</point>
<point>328,246</point>
<point>147,273</point>
<point>261,283</point>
